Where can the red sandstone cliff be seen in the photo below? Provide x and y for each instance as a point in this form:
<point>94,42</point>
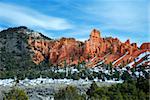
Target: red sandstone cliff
<point>145,46</point>
<point>94,50</point>
<point>57,51</point>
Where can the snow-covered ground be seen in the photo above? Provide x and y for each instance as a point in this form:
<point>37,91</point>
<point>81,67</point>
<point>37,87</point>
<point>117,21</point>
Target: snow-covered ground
<point>41,81</point>
<point>46,89</point>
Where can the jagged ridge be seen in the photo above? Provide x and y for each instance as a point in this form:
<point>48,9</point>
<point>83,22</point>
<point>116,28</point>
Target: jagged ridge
<point>92,51</point>
<point>22,45</point>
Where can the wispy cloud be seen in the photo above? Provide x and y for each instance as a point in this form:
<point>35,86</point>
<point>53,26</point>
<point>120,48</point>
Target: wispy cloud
<point>125,19</point>
<point>125,15</point>
<point>17,15</point>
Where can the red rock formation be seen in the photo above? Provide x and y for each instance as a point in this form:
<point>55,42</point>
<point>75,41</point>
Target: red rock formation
<point>134,45</point>
<point>93,51</point>
<point>57,51</point>
<point>127,42</point>
<point>145,46</point>
<point>114,49</point>
<point>95,44</point>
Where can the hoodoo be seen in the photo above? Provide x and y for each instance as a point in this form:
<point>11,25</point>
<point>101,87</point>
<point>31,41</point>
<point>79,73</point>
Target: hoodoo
<point>70,51</point>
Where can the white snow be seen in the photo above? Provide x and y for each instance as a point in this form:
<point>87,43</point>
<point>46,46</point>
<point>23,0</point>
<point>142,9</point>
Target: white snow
<point>120,58</point>
<point>7,82</point>
<point>40,81</point>
<point>140,57</point>
<point>112,81</point>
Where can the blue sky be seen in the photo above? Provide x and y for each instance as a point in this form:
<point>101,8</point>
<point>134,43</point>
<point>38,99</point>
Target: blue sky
<point>125,19</point>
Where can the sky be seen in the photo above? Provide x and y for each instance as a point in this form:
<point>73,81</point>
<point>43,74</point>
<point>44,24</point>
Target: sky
<point>124,19</point>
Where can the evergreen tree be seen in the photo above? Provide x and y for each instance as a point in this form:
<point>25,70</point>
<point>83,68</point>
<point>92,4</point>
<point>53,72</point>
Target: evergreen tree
<point>69,93</point>
<point>92,88</point>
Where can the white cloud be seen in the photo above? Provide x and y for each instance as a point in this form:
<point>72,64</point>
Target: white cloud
<point>125,15</point>
<point>18,15</point>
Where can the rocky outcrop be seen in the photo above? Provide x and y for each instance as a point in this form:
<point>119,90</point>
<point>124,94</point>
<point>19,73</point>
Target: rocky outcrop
<point>23,47</point>
<point>94,45</point>
<point>22,43</point>
<point>94,50</point>
<point>14,49</point>
<point>65,50</point>
<point>134,45</point>
<point>145,46</point>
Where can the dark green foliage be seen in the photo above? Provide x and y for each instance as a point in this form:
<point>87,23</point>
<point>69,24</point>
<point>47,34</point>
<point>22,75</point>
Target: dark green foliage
<point>116,75</point>
<point>129,90</point>
<point>69,93</point>
<point>143,84</point>
<point>15,55</point>
<point>126,76</point>
<point>16,94</point>
<point>92,89</point>
<point>75,76</point>
<point>45,37</point>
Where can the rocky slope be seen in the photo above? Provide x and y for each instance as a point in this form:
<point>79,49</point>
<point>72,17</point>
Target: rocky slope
<point>25,45</point>
<point>112,50</point>
<point>15,52</point>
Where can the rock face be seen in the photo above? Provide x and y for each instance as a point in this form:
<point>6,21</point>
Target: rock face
<point>14,49</point>
<point>94,50</point>
<point>56,51</point>
<point>94,45</point>
<point>145,46</point>
<point>68,50</point>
